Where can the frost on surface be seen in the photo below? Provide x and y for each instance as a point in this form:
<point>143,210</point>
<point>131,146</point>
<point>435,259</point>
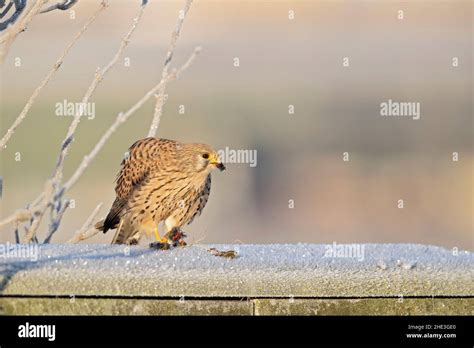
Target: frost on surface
<point>280,270</point>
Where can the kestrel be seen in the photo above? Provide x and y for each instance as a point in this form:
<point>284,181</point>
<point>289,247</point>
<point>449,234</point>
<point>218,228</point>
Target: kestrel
<point>160,181</point>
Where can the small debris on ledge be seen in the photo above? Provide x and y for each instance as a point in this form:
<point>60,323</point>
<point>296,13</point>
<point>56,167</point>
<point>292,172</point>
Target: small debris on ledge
<point>382,265</point>
<point>231,254</point>
<point>406,265</point>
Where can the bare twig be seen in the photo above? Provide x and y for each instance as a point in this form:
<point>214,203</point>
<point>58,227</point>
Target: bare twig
<point>56,193</point>
<point>19,7</point>
<point>122,117</point>
<point>97,79</point>
<point>37,214</point>
<point>26,214</point>
<point>62,5</point>
<point>21,215</point>
<point>48,77</point>
<point>20,25</point>
<point>160,99</point>
<point>17,234</point>
<point>52,194</point>
<point>86,231</point>
<point>29,11</point>
<point>56,217</point>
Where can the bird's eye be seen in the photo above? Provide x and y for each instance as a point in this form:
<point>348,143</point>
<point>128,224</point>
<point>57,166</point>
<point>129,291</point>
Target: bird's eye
<point>205,156</point>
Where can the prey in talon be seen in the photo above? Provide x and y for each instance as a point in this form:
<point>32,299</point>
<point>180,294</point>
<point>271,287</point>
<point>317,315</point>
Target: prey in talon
<point>176,236</point>
<point>160,181</point>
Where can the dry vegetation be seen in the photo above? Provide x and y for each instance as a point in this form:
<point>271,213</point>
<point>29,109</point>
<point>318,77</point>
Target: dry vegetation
<point>26,221</point>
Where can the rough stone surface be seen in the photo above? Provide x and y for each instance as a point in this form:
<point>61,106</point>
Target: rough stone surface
<point>296,270</point>
<point>366,306</point>
<point>114,306</point>
<point>397,279</point>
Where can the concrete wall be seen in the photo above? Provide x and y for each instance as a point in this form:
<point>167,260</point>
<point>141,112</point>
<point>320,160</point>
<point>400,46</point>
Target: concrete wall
<point>302,279</point>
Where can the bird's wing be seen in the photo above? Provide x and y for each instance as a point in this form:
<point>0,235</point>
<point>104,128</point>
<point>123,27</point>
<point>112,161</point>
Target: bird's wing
<point>143,156</point>
<point>136,165</point>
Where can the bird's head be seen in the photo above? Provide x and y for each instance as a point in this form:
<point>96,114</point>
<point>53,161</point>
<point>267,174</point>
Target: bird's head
<point>204,158</point>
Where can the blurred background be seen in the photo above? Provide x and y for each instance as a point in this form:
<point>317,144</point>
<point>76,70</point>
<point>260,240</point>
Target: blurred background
<point>282,62</point>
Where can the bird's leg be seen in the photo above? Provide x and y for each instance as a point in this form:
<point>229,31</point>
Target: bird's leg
<point>161,243</point>
<point>157,234</point>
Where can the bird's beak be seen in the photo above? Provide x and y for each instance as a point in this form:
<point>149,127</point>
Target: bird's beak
<point>214,160</point>
<point>220,166</point>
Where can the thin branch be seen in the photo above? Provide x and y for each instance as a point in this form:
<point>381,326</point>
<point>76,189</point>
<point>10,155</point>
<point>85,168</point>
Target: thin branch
<point>17,234</point>
<point>31,9</point>
<point>21,215</point>
<point>122,117</point>
<point>85,232</point>
<point>19,7</point>
<point>160,100</point>
<point>97,79</point>
<point>48,77</point>
<point>63,6</point>
<point>58,171</point>
<point>57,216</point>
<point>19,26</point>
<point>53,192</point>
<point>37,215</point>
<point>25,214</point>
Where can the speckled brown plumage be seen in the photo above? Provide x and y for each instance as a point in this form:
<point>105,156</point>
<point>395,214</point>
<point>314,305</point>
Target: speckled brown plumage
<point>160,181</point>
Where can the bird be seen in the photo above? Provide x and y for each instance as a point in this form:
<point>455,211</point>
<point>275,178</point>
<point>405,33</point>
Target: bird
<point>160,180</point>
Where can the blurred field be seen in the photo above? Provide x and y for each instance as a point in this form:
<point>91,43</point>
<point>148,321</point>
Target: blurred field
<point>282,62</point>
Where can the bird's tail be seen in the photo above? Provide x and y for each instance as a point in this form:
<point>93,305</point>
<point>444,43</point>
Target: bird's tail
<point>121,235</point>
<point>119,238</point>
<point>100,225</point>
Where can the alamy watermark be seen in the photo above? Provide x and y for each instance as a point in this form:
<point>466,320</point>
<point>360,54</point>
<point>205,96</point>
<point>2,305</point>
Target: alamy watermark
<point>401,109</point>
<point>28,330</point>
<point>67,108</point>
<point>228,155</point>
<point>20,251</point>
<point>354,250</point>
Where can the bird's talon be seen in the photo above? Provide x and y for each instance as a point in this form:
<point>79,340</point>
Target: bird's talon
<point>159,246</point>
<point>164,241</point>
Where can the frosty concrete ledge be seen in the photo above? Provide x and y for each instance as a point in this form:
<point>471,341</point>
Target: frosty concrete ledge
<point>396,279</point>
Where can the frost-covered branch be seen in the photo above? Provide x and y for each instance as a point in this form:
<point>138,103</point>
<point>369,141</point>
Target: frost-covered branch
<point>56,218</point>
<point>86,231</point>
<point>56,192</point>
<point>19,7</point>
<point>62,5</point>
<point>19,26</point>
<point>52,195</point>
<point>160,98</point>
<point>48,77</point>
<point>123,117</point>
